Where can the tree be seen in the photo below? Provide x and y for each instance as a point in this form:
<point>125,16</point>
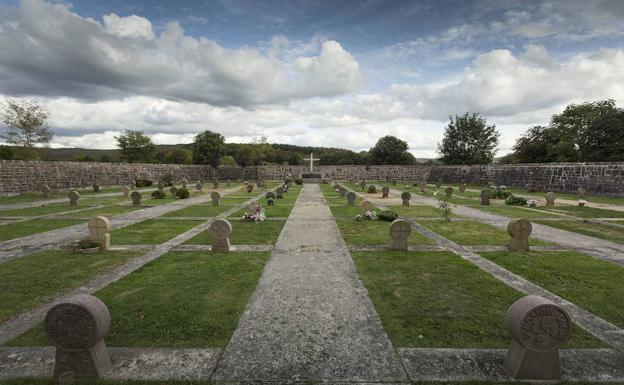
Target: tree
<point>179,156</point>
<point>6,152</point>
<point>604,140</point>
<point>391,150</point>
<point>468,140</point>
<point>208,148</point>
<point>136,146</point>
<point>227,160</point>
<point>534,146</point>
<point>26,124</point>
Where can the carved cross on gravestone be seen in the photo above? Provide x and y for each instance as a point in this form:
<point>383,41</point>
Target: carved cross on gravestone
<point>216,198</point>
<point>136,198</point>
<point>73,197</point>
<point>449,192</point>
<point>519,230</point>
<point>385,191</point>
<point>45,190</point>
<point>351,198</point>
<point>366,206</point>
<point>125,190</point>
<point>99,228</point>
<point>486,195</point>
<point>312,159</point>
<point>220,230</point>
<point>550,198</point>
<point>400,231</point>
<point>405,197</point>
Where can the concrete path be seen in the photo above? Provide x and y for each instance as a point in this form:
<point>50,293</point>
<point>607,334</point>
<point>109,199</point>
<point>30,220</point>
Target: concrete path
<point>310,318</point>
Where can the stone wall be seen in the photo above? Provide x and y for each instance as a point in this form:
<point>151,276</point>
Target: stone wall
<point>598,178</point>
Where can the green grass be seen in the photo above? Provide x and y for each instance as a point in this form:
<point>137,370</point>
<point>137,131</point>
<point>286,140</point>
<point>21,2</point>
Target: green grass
<point>108,211</point>
<point>598,230</point>
<point>182,299</point>
<point>245,233</point>
<point>207,210</point>
<point>471,233</point>
<point>519,212</point>
<point>418,211</point>
<point>35,279</point>
<point>346,211</point>
<point>374,233</point>
<point>438,300</point>
<point>590,283</point>
<point>278,210</point>
<point>41,210</point>
<point>457,198</point>
<point>587,212</point>
<point>151,231</point>
<point>35,226</point>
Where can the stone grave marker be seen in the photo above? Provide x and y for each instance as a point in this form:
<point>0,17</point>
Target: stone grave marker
<point>462,188</point>
<point>184,182</point>
<point>250,188</point>
<point>550,198</point>
<point>216,198</point>
<point>400,231</point>
<point>363,185</point>
<point>132,185</point>
<point>199,186</point>
<point>77,327</point>
<point>405,197</point>
<point>215,184</point>
<point>342,191</point>
<point>96,187</point>
<point>73,196</point>
<point>519,230</point>
<point>279,193</point>
<point>125,190</point>
<point>351,198</point>
<point>538,328</point>
<point>438,184</point>
<point>173,190</point>
<point>161,186</point>
<point>136,198</point>
<point>385,191</point>
<point>423,185</point>
<point>366,206</point>
<point>582,193</point>
<point>449,192</point>
<point>220,230</point>
<point>270,197</point>
<point>99,228</point>
<point>45,190</point>
<point>486,195</point>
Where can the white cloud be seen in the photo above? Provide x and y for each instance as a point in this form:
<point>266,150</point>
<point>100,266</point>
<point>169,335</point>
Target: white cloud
<point>131,26</point>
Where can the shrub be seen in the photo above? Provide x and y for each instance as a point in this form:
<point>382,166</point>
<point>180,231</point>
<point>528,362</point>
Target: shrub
<point>500,192</point>
<point>183,193</point>
<point>143,182</point>
<point>513,200</point>
<point>288,180</point>
<point>387,215</point>
<point>167,180</point>
<point>372,189</point>
<point>298,181</point>
<point>159,194</point>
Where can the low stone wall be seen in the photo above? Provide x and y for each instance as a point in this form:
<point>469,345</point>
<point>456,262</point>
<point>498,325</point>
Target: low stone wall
<point>597,178</point>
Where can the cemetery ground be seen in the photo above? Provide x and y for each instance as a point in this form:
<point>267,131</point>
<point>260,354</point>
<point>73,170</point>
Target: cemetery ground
<point>447,294</point>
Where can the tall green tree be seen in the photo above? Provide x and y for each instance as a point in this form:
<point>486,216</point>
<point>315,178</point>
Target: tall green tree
<point>604,140</point>
<point>468,139</point>
<point>208,148</point>
<point>136,147</point>
<point>179,156</point>
<point>390,150</point>
<point>26,123</point>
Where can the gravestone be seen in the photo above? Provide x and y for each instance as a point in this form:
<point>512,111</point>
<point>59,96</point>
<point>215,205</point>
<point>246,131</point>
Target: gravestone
<point>538,328</point>
<point>45,190</point>
<point>73,196</point>
<point>351,198</point>
<point>462,188</point>
<point>161,186</point>
<point>249,188</point>
<point>220,230</point>
<point>77,327</point>
<point>342,191</point>
<point>385,191</point>
<point>279,193</point>
<point>486,195</point>
<point>400,231</point>
<point>174,191</point>
<point>125,190</point>
<point>582,193</point>
<point>423,185</point>
<point>550,198</point>
<point>519,230</point>
<point>215,184</point>
<point>132,185</point>
<point>270,197</point>
<point>363,185</point>
<point>99,228</point>
<point>290,184</point>
<point>216,198</point>
<point>366,206</point>
<point>96,187</point>
<point>449,192</point>
<point>405,197</point>
<point>136,198</point>
<point>199,186</point>
<point>184,181</point>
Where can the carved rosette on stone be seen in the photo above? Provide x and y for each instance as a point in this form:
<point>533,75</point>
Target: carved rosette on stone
<point>400,231</point>
<point>220,230</point>
<point>73,197</point>
<point>77,328</point>
<point>351,198</point>
<point>405,197</point>
<point>385,191</point>
<point>216,198</point>
<point>538,328</point>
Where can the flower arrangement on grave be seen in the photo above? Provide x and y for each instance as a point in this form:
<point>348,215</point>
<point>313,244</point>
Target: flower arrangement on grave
<point>447,208</point>
<point>366,216</point>
<point>533,203</point>
<point>500,192</point>
<point>582,202</point>
<point>513,200</point>
<point>255,214</point>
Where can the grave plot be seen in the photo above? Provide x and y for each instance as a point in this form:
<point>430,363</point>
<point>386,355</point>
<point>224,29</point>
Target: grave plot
<point>152,231</point>
<point>606,231</point>
<point>33,197</point>
<point>585,212</point>
<point>183,299</point>
<point>591,283</point>
<point>519,212</point>
<point>338,204</point>
<point>438,300</point>
<point>245,233</point>
<point>37,278</point>
<point>22,229</point>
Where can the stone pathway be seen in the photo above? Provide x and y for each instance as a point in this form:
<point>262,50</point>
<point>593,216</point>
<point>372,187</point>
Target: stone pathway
<point>310,317</point>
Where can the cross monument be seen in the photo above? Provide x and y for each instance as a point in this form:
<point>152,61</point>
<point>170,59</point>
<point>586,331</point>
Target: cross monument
<point>311,159</point>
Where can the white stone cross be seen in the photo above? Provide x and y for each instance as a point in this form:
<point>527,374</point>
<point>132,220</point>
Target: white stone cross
<point>311,159</point>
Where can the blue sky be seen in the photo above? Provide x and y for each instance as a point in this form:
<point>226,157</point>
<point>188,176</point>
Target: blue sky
<point>330,73</point>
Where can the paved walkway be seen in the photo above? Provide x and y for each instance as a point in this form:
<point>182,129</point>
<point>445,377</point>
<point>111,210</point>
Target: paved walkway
<point>310,317</point>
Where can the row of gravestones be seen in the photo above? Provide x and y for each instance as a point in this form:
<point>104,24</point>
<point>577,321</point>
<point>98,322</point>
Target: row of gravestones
<point>77,328</point>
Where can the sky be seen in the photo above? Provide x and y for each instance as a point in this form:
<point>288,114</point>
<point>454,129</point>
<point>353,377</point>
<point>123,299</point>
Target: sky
<point>305,72</point>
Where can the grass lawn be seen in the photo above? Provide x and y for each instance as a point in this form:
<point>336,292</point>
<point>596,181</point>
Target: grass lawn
<point>279,210</point>
<point>518,212</point>
<point>375,233</point>
<point>438,300</point>
<point>37,278</point>
<point>457,199</point>
<point>346,211</point>
<point>590,283</point>
<point>610,233</point>
<point>587,212</point>
<point>41,210</point>
<point>207,210</point>
<point>471,233</point>
<point>35,226</point>
<point>182,299</point>
<point>245,233</point>
<point>418,211</point>
<point>108,211</point>
<point>151,231</point>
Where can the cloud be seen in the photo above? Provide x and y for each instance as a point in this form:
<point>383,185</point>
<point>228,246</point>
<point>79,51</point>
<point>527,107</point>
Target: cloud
<point>71,56</point>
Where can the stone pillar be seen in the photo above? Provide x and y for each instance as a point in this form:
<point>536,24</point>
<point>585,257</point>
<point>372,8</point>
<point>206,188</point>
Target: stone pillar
<point>77,328</point>
<point>351,198</point>
<point>73,197</point>
<point>519,230</point>
<point>99,228</point>
<point>405,197</point>
<point>400,231</point>
<point>221,230</point>
<point>538,328</point>
<point>216,198</point>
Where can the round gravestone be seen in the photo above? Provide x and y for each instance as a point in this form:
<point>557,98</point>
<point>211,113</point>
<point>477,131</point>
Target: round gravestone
<point>161,186</point>
<point>136,198</point>
<point>367,206</point>
<point>78,323</point>
<point>221,229</point>
<point>99,227</point>
<point>199,186</point>
<point>550,198</point>
<point>351,198</point>
<point>45,190</point>
<point>216,197</point>
<point>385,191</point>
<point>519,230</point>
<point>270,194</point>
<point>581,192</point>
<point>400,231</point>
<point>96,187</point>
<point>405,197</point>
<point>73,197</point>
